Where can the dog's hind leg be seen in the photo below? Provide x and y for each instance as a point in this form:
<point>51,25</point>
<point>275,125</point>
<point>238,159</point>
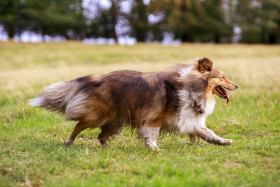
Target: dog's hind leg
<point>82,125</point>
<point>108,130</point>
<point>149,132</point>
<point>210,137</point>
<point>78,128</point>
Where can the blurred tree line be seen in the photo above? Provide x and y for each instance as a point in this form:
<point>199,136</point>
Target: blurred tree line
<point>187,20</point>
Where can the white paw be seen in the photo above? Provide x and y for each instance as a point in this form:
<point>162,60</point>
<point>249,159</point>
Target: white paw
<point>68,142</point>
<point>153,146</point>
<point>226,141</point>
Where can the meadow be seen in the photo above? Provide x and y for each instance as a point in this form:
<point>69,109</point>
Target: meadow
<point>31,139</point>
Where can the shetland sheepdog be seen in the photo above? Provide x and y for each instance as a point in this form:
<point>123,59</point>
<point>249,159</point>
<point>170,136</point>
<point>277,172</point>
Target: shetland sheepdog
<point>178,99</point>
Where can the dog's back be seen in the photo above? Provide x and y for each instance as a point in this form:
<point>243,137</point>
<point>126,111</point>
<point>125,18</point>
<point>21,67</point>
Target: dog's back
<point>114,99</point>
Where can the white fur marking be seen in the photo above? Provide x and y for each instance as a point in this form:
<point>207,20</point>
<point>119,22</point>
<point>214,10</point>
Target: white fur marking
<point>36,101</point>
<point>185,71</point>
<point>76,106</point>
<point>54,86</point>
<point>150,136</point>
<point>189,119</point>
<point>210,106</point>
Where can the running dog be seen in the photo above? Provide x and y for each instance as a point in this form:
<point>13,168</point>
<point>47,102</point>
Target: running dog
<point>178,99</point>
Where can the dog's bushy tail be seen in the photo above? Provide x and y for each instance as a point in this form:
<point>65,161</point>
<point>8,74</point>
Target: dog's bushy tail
<point>63,97</point>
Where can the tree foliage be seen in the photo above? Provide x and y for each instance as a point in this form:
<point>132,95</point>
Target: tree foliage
<point>186,20</point>
<point>259,20</point>
<point>48,17</point>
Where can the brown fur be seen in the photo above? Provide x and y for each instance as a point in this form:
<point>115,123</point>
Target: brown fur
<point>132,98</point>
<point>127,97</point>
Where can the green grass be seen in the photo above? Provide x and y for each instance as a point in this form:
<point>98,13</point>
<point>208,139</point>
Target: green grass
<point>31,148</point>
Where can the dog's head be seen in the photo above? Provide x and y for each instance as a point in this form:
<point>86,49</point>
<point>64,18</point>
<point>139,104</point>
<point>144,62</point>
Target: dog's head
<point>217,80</point>
<point>204,80</point>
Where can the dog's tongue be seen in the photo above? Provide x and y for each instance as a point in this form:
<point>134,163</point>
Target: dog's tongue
<point>225,94</point>
<point>227,97</point>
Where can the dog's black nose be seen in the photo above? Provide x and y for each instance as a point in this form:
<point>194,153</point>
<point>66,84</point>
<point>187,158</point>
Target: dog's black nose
<point>236,86</point>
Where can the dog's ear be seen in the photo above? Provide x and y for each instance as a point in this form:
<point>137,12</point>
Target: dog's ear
<point>204,64</point>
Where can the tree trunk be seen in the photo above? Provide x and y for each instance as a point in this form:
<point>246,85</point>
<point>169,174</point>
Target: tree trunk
<point>114,20</point>
<point>141,27</point>
<point>11,31</point>
<point>186,37</point>
<point>272,38</point>
<point>114,12</point>
<point>217,38</point>
<point>140,35</point>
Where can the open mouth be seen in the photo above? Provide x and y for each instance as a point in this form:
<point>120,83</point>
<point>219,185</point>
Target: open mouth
<point>222,93</point>
<point>197,107</point>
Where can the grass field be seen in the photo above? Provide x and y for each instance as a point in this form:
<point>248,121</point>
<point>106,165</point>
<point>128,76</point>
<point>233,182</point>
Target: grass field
<point>31,139</point>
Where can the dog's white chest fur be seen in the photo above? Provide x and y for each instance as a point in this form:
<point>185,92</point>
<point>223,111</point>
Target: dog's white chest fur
<point>188,118</point>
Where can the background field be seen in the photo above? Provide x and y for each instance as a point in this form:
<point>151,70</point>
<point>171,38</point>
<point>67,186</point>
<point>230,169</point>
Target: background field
<point>31,149</point>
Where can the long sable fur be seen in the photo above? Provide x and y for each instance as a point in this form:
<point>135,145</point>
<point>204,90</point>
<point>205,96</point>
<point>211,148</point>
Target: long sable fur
<point>147,101</point>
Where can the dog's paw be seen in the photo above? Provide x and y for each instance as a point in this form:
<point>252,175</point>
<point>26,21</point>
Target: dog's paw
<point>156,148</point>
<point>226,141</point>
<point>68,142</point>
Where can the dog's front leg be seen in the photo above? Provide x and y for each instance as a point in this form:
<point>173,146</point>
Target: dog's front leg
<point>150,134</point>
<point>210,137</point>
